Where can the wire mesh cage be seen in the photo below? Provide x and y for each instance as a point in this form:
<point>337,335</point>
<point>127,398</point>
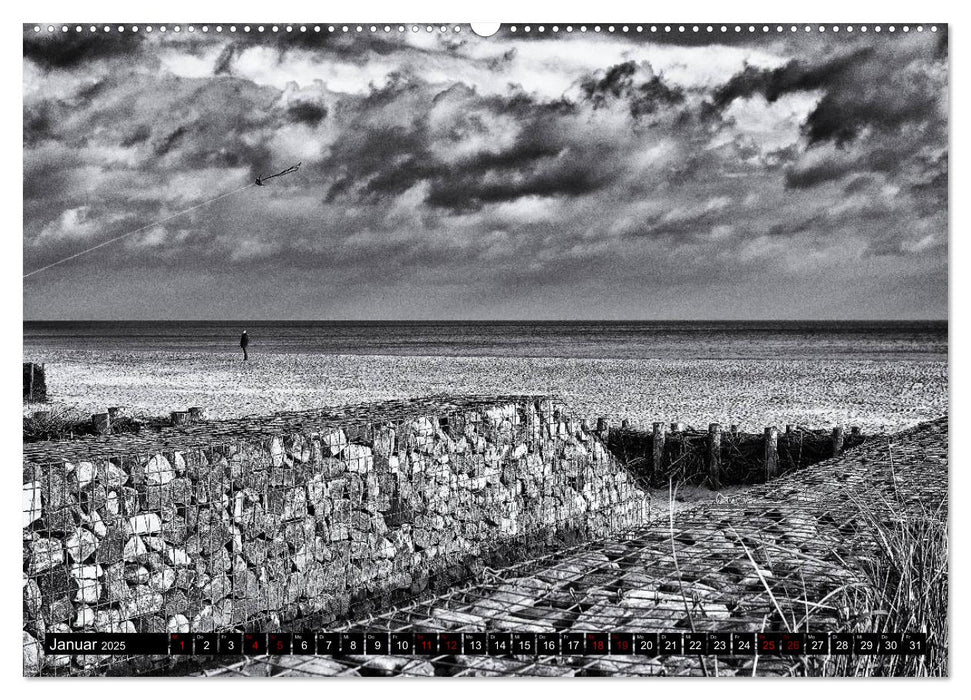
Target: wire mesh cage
<point>487,514</point>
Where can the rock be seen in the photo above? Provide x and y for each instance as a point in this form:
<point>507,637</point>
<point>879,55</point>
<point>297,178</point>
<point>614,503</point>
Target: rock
<point>203,621</point>
<point>217,588</point>
<point>85,617</point>
<point>156,544</point>
<point>33,656</point>
<point>384,442</point>
<point>61,610</point>
<point>144,601</point>
<point>115,477</point>
<point>87,571</point>
<point>95,524</point>
<point>176,601</point>
<point>161,581</point>
<point>276,452</point>
<point>254,551</point>
<point>145,523</point>
<point>136,574</point>
<point>129,501</point>
<point>158,471</point>
<point>32,502</point>
<point>45,554</point>
<point>289,503</point>
<point>81,544</point>
<point>84,474</point>
<point>134,548</point>
<point>335,442</point>
<point>177,491</point>
<point>32,596</point>
<point>113,503</point>
<point>116,587</point>
<point>152,624</point>
<point>89,591</point>
<point>247,585</point>
<point>385,549</point>
<point>177,623</point>
<point>359,458</point>
<point>175,530</point>
<point>112,545</point>
<point>177,556</point>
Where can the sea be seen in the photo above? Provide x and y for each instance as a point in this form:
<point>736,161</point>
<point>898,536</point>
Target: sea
<point>872,340</point>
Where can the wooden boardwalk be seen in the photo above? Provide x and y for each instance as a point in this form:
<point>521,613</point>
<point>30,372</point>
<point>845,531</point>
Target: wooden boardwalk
<point>797,555</point>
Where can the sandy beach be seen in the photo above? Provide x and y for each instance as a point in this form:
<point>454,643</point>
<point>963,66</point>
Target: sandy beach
<point>875,395</point>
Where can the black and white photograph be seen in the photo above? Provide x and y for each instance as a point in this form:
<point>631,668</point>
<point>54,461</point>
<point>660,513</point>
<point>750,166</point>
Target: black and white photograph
<point>450,350</point>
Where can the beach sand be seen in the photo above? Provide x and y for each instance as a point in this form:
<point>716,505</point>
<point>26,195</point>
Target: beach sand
<point>875,395</point>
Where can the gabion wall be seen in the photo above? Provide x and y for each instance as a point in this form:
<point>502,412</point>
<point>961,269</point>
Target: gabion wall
<point>295,530</point>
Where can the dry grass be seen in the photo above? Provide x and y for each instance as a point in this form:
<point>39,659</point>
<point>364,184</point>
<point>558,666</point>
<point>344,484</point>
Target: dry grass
<point>64,423</point>
<point>901,586</point>
<point>905,590</point>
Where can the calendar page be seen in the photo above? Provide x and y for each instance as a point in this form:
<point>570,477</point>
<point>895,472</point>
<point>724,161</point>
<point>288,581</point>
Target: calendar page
<point>449,350</point>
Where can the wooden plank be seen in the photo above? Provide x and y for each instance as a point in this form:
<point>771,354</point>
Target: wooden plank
<point>658,447</point>
<point>714,455</point>
<point>771,453</point>
<point>837,441</point>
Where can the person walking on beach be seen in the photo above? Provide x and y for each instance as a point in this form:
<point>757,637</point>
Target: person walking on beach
<point>243,342</point>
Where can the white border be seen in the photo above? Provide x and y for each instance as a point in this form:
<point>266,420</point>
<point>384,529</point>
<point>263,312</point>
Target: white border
<point>386,11</point>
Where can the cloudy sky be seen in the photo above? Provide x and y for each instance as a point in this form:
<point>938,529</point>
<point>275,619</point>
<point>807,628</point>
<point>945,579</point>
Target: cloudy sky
<point>451,176</point>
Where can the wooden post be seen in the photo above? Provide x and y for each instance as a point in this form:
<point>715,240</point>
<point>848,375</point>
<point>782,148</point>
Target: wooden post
<point>602,426</point>
<point>585,425</point>
<point>677,434</point>
<point>714,455</point>
<point>771,453</point>
<point>788,430</point>
<point>101,423</point>
<point>658,447</point>
<point>837,441</point>
<point>197,413</point>
<point>35,382</point>
<point>179,417</point>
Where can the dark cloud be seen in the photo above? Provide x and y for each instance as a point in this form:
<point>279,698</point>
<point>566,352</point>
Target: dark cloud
<point>930,189</point>
<point>795,76</point>
<point>789,228</point>
<point>57,50</point>
<point>307,113</point>
<point>382,159</point>
<point>225,60</point>
<point>839,164</point>
<point>38,123</point>
<point>139,134</point>
<point>863,87</point>
<point>168,142</point>
<point>646,94</point>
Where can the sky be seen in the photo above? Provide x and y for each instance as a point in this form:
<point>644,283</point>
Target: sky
<point>520,176</point>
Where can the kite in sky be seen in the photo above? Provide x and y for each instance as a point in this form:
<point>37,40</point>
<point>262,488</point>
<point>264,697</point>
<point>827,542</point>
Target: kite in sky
<point>291,169</point>
<point>259,182</point>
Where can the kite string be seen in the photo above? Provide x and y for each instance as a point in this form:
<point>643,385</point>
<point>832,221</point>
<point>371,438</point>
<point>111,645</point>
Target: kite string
<point>137,230</point>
